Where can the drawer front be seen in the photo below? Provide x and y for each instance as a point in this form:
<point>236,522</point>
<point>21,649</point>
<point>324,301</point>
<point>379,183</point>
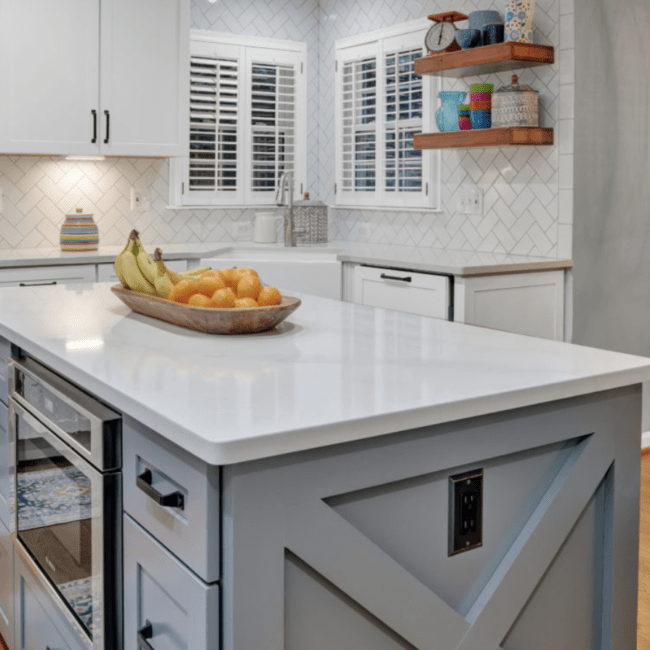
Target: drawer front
<point>6,456</point>
<point>106,272</point>
<point>165,604</point>
<point>406,291</point>
<point>6,587</point>
<point>157,470</point>
<point>47,275</point>
<point>38,623</point>
<point>5,354</point>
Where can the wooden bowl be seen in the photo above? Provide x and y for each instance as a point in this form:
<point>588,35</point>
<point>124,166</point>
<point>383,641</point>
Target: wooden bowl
<point>210,321</point>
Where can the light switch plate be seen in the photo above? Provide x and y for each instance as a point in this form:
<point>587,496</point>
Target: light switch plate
<point>471,201</point>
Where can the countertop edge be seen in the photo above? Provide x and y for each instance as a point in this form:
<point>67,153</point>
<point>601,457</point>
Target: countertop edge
<point>292,441</point>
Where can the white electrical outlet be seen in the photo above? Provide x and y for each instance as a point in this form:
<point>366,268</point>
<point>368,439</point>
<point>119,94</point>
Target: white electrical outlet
<point>139,199</point>
<point>364,229</point>
<point>471,201</point>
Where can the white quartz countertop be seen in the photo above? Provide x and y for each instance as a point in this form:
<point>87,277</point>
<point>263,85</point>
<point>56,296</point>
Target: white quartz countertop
<point>432,260</point>
<point>333,372</point>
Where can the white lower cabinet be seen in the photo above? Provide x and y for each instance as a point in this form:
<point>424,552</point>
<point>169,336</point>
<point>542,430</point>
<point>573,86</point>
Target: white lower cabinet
<point>166,606</point>
<point>38,624</point>
<point>523,303</point>
<point>415,293</point>
<point>47,275</point>
<point>6,587</point>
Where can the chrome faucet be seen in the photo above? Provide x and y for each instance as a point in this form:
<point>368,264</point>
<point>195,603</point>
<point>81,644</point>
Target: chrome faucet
<point>285,184</point>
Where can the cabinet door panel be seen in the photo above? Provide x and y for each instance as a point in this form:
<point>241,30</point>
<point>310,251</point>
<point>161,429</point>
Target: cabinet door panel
<point>183,611</point>
<point>147,102</point>
<point>6,458</point>
<point>49,73</point>
<point>6,587</point>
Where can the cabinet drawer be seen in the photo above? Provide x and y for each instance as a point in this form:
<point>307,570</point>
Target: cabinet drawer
<point>6,587</point>
<point>38,622</point>
<point>47,275</point>
<point>6,456</point>
<point>106,272</point>
<point>414,293</point>
<point>154,466</point>
<point>5,353</point>
<point>164,602</point>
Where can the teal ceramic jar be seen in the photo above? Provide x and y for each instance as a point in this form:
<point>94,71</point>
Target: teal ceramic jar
<point>447,114</point>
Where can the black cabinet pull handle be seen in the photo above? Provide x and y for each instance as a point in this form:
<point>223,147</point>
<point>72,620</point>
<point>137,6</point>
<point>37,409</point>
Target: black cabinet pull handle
<point>383,276</point>
<point>173,500</point>
<point>145,633</point>
<point>37,284</point>
<point>108,126</point>
<point>94,112</point>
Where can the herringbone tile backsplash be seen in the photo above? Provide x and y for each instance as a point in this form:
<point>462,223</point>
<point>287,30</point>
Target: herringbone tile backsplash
<point>528,190</point>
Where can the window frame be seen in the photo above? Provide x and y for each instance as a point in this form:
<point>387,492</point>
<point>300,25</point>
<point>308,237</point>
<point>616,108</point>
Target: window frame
<point>246,50</point>
<point>380,44</point>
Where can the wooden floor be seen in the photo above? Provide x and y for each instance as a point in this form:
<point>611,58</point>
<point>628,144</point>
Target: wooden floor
<point>643,630</point>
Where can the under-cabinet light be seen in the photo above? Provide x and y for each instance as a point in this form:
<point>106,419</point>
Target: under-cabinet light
<point>84,344</point>
<point>85,157</point>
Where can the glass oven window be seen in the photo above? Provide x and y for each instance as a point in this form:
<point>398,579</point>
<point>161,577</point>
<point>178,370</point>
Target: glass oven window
<point>55,518</point>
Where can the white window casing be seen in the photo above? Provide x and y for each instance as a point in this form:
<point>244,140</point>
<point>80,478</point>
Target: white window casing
<point>380,105</point>
<point>248,113</point>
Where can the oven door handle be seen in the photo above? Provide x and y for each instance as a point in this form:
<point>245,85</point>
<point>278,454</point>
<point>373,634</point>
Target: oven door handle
<point>172,500</point>
<point>143,635</point>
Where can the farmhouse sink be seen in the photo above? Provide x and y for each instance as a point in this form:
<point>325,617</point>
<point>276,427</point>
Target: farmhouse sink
<point>304,270</point>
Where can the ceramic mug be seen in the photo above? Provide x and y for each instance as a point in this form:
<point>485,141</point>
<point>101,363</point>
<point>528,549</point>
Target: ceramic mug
<point>479,18</point>
<point>266,227</point>
<point>493,33</point>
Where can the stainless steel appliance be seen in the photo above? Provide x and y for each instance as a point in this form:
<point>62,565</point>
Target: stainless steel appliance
<point>68,498</point>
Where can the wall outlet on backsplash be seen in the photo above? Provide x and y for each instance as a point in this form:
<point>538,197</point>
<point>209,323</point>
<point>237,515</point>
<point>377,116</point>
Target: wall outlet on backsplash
<point>140,199</point>
<point>471,201</point>
<point>241,229</point>
<point>364,230</point>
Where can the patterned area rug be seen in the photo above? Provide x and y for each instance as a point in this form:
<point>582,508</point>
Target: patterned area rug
<point>53,496</point>
<point>79,594</point>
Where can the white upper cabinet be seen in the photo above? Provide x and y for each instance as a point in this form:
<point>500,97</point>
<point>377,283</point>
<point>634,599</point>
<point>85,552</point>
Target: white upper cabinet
<point>103,77</point>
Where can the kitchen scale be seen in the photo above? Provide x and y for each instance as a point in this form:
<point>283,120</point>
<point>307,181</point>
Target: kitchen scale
<point>441,36</point>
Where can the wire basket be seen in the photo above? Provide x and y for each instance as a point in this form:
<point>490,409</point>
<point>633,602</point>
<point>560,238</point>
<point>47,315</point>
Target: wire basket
<point>310,222</point>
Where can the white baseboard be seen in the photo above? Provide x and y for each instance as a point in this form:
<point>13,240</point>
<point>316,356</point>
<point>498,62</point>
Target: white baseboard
<point>645,439</point>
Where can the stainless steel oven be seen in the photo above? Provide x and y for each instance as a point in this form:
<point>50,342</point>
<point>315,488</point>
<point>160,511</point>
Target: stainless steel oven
<point>68,498</point>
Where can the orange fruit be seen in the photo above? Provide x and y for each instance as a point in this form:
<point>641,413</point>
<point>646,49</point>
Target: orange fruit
<point>223,299</point>
<point>182,290</point>
<point>244,270</point>
<point>212,273</point>
<point>208,284</point>
<point>269,296</point>
<point>229,276</point>
<point>248,287</point>
<point>245,303</point>
<point>199,300</point>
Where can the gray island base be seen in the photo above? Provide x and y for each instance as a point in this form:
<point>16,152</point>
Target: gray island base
<point>291,490</point>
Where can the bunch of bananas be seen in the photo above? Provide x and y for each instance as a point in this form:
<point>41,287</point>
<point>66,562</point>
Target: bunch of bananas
<point>138,271</point>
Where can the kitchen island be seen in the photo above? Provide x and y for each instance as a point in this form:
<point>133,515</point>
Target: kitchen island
<point>315,461</point>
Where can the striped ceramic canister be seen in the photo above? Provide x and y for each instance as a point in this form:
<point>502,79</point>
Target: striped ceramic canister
<point>79,232</point>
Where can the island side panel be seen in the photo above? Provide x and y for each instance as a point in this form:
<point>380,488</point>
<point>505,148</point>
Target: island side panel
<point>346,547</point>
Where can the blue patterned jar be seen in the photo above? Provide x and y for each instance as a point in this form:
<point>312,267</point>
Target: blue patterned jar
<point>79,232</point>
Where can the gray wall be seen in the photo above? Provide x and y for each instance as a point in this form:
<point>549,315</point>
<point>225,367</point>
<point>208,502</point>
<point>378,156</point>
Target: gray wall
<point>611,243</point>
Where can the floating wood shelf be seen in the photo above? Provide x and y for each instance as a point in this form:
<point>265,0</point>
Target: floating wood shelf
<point>486,59</point>
<point>516,135</point>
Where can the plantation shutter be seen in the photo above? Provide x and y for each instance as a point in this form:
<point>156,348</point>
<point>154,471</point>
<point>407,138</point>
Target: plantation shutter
<point>403,164</point>
<point>380,106</point>
<point>359,125</point>
<point>248,115</point>
<point>273,124</point>
<point>214,116</point>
